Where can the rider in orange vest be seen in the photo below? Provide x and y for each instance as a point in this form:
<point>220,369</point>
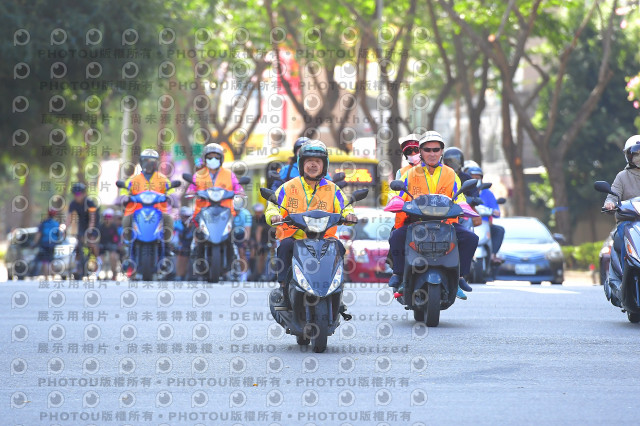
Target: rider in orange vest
<point>431,177</point>
<point>215,175</point>
<point>149,179</point>
<point>310,191</point>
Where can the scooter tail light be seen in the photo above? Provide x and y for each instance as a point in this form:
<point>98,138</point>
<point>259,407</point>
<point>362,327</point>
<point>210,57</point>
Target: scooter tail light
<point>451,247</point>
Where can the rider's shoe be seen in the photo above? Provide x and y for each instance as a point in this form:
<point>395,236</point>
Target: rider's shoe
<point>461,295</point>
<point>395,281</point>
<point>462,283</point>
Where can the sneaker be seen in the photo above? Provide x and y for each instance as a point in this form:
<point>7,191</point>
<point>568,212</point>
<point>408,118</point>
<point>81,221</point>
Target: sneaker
<point>462,283</point>
<point>461,295</point>
<point>395,281</point>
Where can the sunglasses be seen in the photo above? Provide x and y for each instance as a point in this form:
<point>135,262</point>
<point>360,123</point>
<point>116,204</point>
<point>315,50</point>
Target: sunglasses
<point>425,149</point>
<point>412,150</point>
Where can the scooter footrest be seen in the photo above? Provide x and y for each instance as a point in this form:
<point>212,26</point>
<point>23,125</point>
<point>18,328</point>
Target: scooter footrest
<point>346,316</point>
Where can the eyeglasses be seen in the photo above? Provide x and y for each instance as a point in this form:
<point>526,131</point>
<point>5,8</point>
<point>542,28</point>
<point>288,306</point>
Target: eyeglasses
<point>411,150</point>
<point>425,149</point>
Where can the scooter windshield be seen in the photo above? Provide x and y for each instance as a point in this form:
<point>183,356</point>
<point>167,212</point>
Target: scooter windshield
<point>435,205</point>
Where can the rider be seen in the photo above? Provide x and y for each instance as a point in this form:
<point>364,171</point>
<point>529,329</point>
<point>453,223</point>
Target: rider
<point>489,200</point>
<point>110,240</point>
<point>431,176</point>
<point>411,151</point>
<point>86,216</point>
<point>46,239</point>
<point>626,186</point>
<point>213,175</point>
<point>149,179</point>
<point>311,191</point>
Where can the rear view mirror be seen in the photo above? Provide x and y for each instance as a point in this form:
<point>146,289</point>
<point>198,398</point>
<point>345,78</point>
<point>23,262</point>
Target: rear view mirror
<point>120,184</point>
<point>485,185</point>
<point>603,186</point>
<point>244,180</point>
<point>341,184</point>
<point>501,200</point>
<point>268,195</point>
<point>359,195</point>
<point>338,177</point>
<point>467,185</point>
<point>175,184</point>
<point>188,177</point>
<point>397,185</point>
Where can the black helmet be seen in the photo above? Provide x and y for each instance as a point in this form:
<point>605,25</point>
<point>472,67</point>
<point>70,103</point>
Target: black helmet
<point>314,148</point>
<point>79,188</point>
<point>454,158</point>
<point>301,141</point>
<point>475,170</point>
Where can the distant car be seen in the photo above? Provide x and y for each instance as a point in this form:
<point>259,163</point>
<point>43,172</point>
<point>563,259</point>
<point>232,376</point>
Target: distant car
<point>530,252</point>
<point>605,256</point>
<point>21,255</point>
<point>367,245</point>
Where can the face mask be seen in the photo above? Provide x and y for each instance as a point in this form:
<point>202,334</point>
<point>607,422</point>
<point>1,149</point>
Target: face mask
<point>213,163</point>
<point>414,159</point>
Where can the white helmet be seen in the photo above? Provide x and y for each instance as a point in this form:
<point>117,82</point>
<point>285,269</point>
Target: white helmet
<point>432,136</point>
<point>149,160</point>
<point>213,148</point>
<point>404,141</point>
<point>631,146</point>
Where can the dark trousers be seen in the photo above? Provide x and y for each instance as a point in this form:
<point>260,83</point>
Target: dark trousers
<point>285,256</point>
<point>497,236</point>
<point>467,244</point>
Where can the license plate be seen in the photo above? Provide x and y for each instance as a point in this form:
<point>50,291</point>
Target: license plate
<point>525,269</point>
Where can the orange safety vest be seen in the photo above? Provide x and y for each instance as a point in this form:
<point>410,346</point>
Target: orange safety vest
<point>405,169</point>
<point>137,184</point>
<point>417,185</point>
<point>323,199</point>
<point>204,181</point>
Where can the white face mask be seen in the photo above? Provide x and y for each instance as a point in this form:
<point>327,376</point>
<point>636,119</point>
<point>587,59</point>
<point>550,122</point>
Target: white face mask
<point>414,159</point>
<point>213,163</point>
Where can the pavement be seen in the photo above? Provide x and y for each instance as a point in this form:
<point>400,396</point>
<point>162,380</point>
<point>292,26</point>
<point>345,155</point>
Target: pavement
<point>191,353</point>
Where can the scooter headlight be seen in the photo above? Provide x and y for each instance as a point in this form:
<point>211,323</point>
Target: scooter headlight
<point>147,198</point>
<point>203,229</point>
<point>302,281</point>
<point>316,225</point>
<point>215,194</point>
<point>337,280</point>
<point>632,252</point>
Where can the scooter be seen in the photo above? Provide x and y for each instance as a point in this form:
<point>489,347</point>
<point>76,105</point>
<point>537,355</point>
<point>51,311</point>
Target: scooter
<point>483,269</point>
<point>212,237</point>
<point>627,296</point>
<point>432,263</point>
<point>148,253</point>
<point>316,280</point>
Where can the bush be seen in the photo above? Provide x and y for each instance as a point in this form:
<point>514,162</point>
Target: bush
<point>580,257</point>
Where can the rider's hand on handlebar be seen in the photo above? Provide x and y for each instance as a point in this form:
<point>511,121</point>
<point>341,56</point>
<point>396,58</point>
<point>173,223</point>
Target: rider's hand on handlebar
<point>276,219</point>
<point>351,218</point>
<point>609,205</point>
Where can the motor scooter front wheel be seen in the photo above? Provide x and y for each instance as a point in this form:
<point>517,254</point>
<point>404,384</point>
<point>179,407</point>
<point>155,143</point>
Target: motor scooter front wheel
<point>633,318</point>
<point>319,326</point>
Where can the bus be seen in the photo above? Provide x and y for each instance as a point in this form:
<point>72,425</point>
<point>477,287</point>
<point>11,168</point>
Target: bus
<point>359,173</point>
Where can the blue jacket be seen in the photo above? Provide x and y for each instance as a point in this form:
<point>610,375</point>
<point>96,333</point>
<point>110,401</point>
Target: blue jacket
<point>489,200</point>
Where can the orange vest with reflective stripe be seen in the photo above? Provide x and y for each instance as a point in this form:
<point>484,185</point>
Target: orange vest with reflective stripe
<point>223,180</point>
<point>323,199</point>
<point>417,185</point>
<point>138,183</point>
<point>405,169</point>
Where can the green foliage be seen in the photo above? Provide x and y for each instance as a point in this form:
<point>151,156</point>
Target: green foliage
<point>582,256</point>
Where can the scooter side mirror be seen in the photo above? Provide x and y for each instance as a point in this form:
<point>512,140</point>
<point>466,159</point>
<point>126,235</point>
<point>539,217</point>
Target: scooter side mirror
<point>485,185</point>
<point>244,180</point>
<point>175,184</point>
<point>467,185</point>
<point>359,195</point>
<point>188,177</point>
<point>341,184</point>
<point>603,186</point>
<point>121,184</point>
<point>268,195</point>
<point>501,200</point>
<point>338,177</point>
<point>397,185</point>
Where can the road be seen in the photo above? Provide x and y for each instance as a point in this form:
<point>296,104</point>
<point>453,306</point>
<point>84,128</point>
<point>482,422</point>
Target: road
<point>112,353</point>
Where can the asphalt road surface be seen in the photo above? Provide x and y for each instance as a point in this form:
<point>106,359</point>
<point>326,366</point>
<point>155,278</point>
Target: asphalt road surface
<point>80,353</point>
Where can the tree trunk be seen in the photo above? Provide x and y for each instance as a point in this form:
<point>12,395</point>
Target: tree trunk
<point>519,192</point>
<point>25,217</point>
<point>474,131</point>
<point>557,180</point>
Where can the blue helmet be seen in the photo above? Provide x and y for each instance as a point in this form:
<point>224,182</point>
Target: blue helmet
<point>301,141</point>
<point>474,170</point>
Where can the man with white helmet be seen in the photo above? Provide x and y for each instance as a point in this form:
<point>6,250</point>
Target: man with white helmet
<point>627,185</point>
<point>431,177</point>
<point>149,179</point>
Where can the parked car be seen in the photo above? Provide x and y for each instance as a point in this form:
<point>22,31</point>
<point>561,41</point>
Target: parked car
<point>605,256</point>
<point>20,257</point>
<point>367,245</point>
<point>530,252</point>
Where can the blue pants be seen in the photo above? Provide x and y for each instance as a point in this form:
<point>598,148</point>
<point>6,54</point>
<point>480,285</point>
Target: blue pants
<point>467,244</point>
<point>497,236</point>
